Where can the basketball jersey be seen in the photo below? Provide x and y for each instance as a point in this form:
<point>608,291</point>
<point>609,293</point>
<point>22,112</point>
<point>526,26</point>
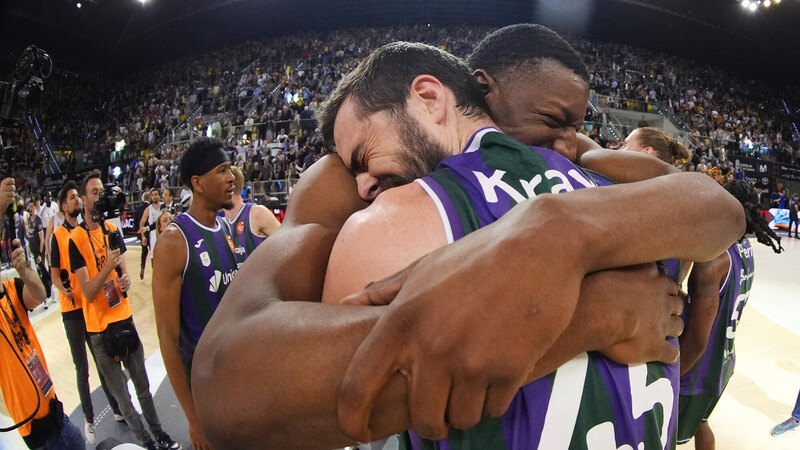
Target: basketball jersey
<point>245,240</point>
<point>152,218</point>
<point>713,370</point>
<point>590,402</point>
<point>208,271</point>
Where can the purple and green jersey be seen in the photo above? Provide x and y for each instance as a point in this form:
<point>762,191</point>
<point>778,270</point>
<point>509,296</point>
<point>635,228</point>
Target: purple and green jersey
<point>590,402</point>
<point>713,370</point>
<point>245,240</point>
<point>209,270</point>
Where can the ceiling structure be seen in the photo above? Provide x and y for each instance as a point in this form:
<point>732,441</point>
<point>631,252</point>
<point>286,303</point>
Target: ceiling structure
<point>113,37</point>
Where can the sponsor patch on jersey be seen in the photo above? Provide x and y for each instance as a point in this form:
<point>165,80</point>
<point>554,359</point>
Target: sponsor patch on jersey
<point>230,242</point>
<point>240,228</point>
<point>205,259</point>
<point>213,282</point>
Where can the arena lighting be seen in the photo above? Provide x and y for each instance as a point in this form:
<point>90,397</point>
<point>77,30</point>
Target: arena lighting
<point>767,3</point>
<point>79,5</point>
<point>746,3</point>
<point>752,6</point>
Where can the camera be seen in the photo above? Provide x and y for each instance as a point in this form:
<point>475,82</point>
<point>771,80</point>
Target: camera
<point>110,204</point>
<point>23,93</point>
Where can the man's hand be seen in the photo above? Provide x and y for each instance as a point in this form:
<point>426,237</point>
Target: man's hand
<point>18,260</point>
<point>114,259</point>
<point>444,336</point>
<point>7,191</point>
<point>641,308</point>
<point>124,283</point>
<point>197,437</point>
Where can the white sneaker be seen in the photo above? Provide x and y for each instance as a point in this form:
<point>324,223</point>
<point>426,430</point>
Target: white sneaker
<point>89,431</point>
<point>119,418</point>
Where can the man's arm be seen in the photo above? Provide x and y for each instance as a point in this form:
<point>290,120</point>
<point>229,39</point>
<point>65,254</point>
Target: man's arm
<point>584,144</point>
<point>625,166</point>
<point>263,221</point>
<point>443,341</point>
<point>142,230</point>
<point>49,233</point>
<point>169,258</point>
<point>33,292</point>
<point>704,285</point>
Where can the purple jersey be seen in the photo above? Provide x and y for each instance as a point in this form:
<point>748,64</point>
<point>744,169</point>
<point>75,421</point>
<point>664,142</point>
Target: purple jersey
<point>590,402</point>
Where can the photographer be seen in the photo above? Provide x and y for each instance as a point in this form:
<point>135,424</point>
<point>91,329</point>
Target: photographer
<point>24,369</point>
<point>94,259</point>
<point>71,302</point>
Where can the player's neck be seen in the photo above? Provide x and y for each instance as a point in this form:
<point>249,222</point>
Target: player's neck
<point>203,212</point>
<point>468,126</point>
<point>238,203</point>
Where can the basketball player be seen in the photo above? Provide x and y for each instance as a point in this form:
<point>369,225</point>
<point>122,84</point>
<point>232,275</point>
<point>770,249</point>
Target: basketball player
<point>249,223</point>
<point>194,263</point>
<point>718,292</point>
<point>147,228</point>
<point>334,332</point>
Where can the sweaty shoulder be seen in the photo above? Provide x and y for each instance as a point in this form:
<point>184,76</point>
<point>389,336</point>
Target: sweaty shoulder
<point>326,193</point>
<point>400,226</point>
<point>170,249</point>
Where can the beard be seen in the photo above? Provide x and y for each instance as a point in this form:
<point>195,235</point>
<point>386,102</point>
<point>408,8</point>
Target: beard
<point>418,155</point>
<point>228,205</point>
<point>74,213</point>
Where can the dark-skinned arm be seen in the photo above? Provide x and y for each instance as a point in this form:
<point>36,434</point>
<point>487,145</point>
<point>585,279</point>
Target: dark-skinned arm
<point>624,166</point>
<point>604,239</point>
<point>705,282</point>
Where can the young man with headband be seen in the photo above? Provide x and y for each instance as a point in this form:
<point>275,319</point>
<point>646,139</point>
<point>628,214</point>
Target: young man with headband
<point>194,263</point>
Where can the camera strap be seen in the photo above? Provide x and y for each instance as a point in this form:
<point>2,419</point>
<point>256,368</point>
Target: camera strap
<point>94,252</point>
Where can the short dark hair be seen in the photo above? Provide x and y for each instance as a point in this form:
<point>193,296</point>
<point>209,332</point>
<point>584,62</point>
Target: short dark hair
<point>524,45</point>
<point>62,194</point>
<point>89,176</point>
<point>193,155</point>
<point>383,79</point>
<point>170,190</point>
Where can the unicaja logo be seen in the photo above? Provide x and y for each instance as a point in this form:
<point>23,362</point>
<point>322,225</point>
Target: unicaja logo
<point>219,277</point>
<point>213,282</point>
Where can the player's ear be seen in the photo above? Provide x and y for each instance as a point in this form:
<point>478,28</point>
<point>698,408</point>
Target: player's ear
<point>430,95</point>
<point>486,82</point>
<point>197,183</point>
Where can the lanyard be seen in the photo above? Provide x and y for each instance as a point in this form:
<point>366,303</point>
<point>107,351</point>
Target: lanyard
<point>19,336</point>
<point>94,252</point>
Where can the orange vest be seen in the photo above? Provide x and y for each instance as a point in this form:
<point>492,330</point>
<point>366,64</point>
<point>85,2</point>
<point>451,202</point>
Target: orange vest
<point>18,391</point>
<point>61,235</point>
<point>98,314</point>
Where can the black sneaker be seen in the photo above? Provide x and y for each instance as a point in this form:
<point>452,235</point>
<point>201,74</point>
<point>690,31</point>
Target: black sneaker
<point>151,445</point>
<point>166,442</point>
